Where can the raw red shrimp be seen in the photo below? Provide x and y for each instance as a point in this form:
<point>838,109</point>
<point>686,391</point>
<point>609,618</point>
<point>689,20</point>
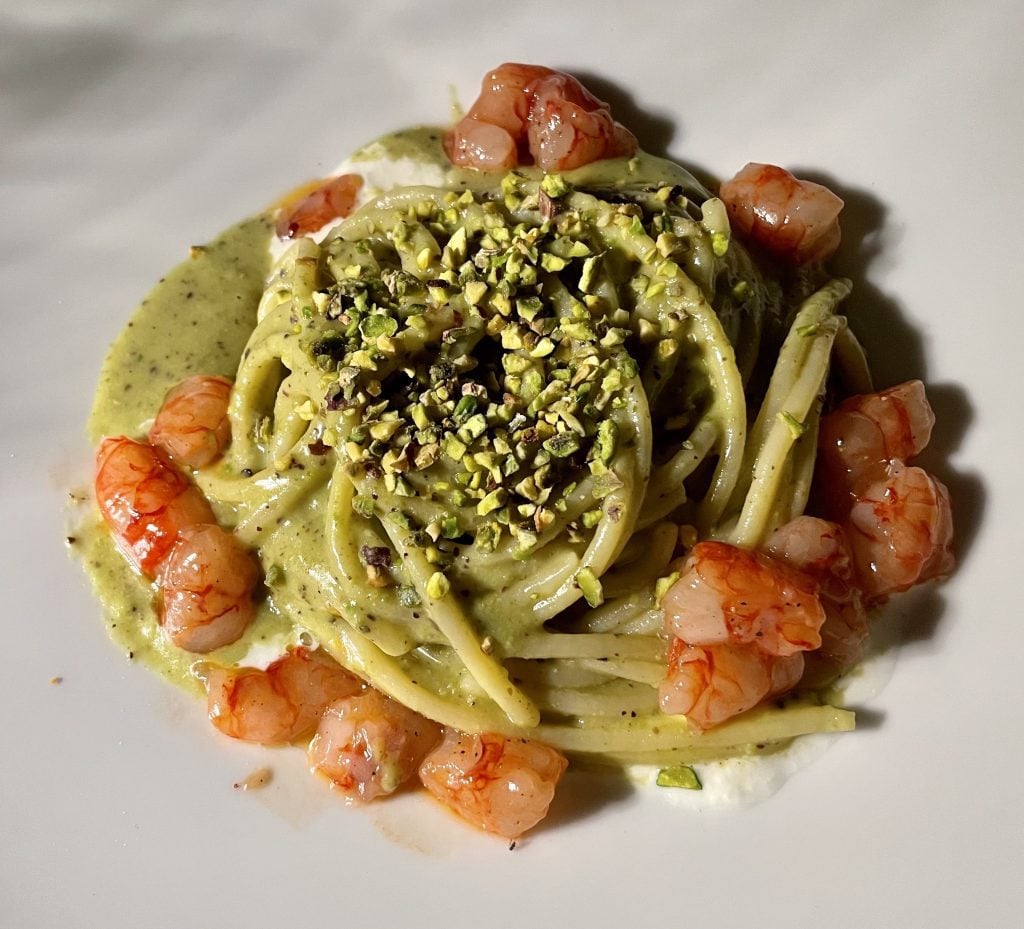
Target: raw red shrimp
<point>492,135</point>
<point>861,436</point>
<point>820,549</point>
<point>901,531</point>
<point>728,595</point>
<point>368,745</point>
<point>145,500</point>
<point>192,424</point>
<point>569,127</point>
<point>898,518</point>
<point>207,586</point>
<point>710,684</point>
<point>797,221</point>
<point>279,704</point>
<point>498,784</point>
<point>333,199</point>
<point>527,114</point>
<point>844,637</point>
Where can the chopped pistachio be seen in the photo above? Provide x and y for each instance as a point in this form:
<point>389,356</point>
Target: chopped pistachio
<point>662,585</point>
<point>274,575</point>
<point>543,348</point>
<point>473,428</point>
<point>552,263</point>
<point>590,586</point>
<point>588,274</point>
<point>554,185</point>
<point>563,445</point>
<point>796,427</point>
<point>493,500</point>
<point>438,587</point>
<point>604,445</point>
<point>487,537</point>
<point>682,776</point>
<point>474,292</point>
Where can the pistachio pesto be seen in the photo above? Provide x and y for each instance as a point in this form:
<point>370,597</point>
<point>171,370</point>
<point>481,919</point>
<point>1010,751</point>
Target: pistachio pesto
<point>453,415</point>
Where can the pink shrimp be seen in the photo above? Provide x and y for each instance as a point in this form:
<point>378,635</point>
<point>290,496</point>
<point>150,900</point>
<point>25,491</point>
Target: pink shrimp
<point>569,127</point>
<point>368,745</point>
<point>901,531</point>
<point>313,209</point>
<point>528,114</point>
<point>898,518</point>
<point>279,704</point>
<point>710,684</point>
<point>192,424</point>
<point>145,500</point>
<point>797,221</point>
<point>207,584</point>
<point>728,595</point>
<point>821,549</point>
<point>740,622</point>
<point>861,436</point>
<point>498,784</point>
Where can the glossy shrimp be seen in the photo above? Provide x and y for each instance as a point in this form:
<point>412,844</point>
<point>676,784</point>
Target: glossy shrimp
<point>192,425</point>
<point>709,685</point>
<point>861,436</point>
<point>795,220</point>
<point>368,745</point>
<point>281,703</point>
<point>165,526</point>
<point>145,501</point>
<point>740,623</point>
<point>498,784</point>
<point>901,531</point>
<point>898,517</point>
<point>207,589</point>
<point>313,209</point>
<point>527,114</point>
<point>728,595</point>
<point>821,549</point>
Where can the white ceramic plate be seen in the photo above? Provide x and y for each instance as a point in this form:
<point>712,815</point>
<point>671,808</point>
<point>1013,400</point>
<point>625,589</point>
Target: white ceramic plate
<point>131,130</point>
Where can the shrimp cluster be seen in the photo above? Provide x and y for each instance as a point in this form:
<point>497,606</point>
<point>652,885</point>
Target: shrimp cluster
<point>368,745</point>
<point>165,526</point>
<point>363,742</point>
<point>528,114</point>
<point>796,221</point>
<point>898,517</point>
<point>740,623</point>
<point>747,626</point>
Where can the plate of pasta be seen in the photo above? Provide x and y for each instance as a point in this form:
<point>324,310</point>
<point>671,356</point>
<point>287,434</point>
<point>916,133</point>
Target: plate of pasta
<point>522,481</point>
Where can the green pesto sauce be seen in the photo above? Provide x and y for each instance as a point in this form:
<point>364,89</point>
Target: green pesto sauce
<point>197,319</point>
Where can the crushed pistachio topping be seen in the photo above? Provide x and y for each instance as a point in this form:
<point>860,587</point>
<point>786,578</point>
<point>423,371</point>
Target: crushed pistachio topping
<point>590,586</point>
<point>469,354</point>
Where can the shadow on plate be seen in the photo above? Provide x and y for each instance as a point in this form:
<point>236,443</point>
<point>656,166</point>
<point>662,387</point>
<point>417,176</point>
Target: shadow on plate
<point>585,792</point>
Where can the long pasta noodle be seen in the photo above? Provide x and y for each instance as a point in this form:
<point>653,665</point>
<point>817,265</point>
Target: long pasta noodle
<point>487,412</point>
